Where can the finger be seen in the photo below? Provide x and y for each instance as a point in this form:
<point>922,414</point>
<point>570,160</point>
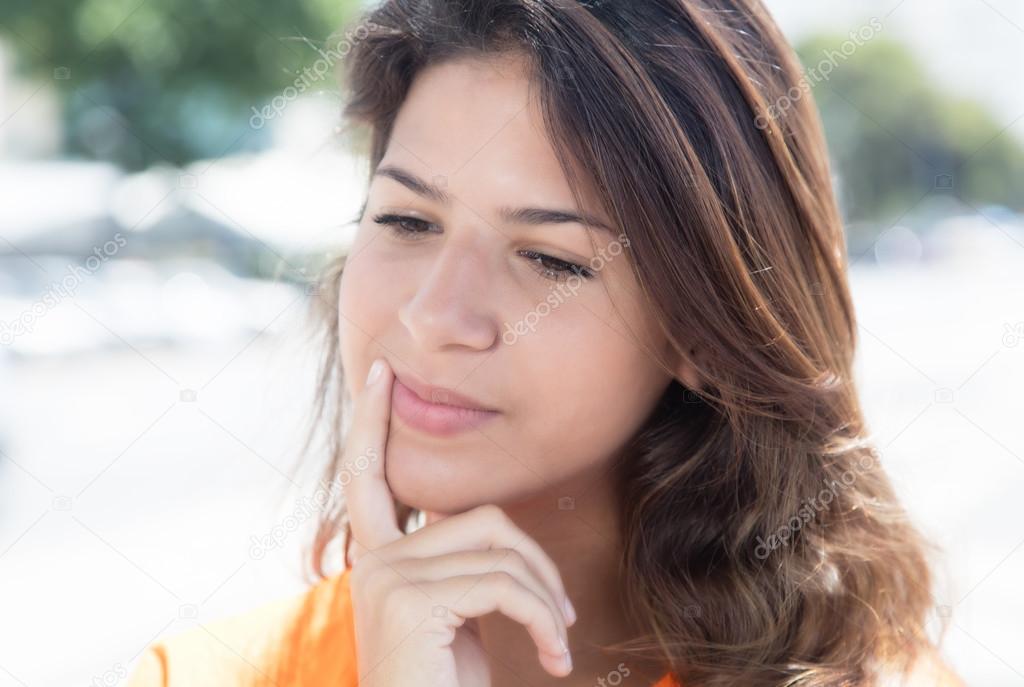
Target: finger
<point>371,507</point>
<point>472,596</point>
<point>509,561</point>
<point>486,527</point>
<point>430,517</point>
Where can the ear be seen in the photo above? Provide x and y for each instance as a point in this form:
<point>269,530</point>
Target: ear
<point>684,368</point>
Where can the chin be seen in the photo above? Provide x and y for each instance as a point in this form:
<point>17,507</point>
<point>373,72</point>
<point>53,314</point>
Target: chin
<point>427,478</point>
<point>449,480</point>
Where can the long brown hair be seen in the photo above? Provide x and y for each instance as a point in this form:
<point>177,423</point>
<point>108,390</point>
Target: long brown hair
<point>764,544</point>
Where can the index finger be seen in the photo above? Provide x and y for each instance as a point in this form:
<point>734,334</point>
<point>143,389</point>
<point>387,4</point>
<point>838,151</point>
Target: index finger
<point>371,507</point>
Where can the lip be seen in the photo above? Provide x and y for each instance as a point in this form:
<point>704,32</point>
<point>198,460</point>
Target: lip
<point>450,414</point>
<point>439,395</point>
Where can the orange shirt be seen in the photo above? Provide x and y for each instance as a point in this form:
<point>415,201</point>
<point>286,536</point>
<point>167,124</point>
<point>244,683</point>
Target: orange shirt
<point>251,649</point>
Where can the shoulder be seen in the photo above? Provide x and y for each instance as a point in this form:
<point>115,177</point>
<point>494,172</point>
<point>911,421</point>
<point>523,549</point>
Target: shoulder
<point>667,681</point>
<point>931,671</point>
<point>304,639</point>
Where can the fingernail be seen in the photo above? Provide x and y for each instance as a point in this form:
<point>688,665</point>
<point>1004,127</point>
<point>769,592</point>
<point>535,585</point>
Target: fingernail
<point>567,659</point>
<point>375,370</point>
<point>570,612</point>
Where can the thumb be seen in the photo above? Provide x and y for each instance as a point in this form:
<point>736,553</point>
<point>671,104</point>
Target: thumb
<point>371,507</point>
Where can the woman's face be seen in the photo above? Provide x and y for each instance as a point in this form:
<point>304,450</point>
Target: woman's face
<point>474,295</point>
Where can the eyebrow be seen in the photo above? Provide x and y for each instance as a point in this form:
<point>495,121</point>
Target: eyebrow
<point>532,216</point>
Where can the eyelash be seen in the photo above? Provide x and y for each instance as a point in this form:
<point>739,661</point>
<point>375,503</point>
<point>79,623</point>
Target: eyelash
<point>547,266</point>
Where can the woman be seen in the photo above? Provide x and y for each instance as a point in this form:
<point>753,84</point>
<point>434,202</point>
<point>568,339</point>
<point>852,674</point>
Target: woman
<point>612,434</point>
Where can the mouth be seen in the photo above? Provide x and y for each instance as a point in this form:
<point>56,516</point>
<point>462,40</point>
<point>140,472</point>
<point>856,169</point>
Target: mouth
<point>436,410</point>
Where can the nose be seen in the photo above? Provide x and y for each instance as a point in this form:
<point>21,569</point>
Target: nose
<point>450,307</point>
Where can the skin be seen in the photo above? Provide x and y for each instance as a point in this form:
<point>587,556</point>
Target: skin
<point>502,546</point>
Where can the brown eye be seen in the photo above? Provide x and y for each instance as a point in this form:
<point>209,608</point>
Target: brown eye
<point>403,226</point>
<point>555,269</point>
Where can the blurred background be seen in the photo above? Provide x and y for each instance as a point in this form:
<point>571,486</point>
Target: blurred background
<point>172,177</point>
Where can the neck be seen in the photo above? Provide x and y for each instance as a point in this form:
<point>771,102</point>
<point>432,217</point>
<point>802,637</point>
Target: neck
<point>578,525</point>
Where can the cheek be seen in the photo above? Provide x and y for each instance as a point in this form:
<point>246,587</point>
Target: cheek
<point>584,390</point>
<point>361,320</point>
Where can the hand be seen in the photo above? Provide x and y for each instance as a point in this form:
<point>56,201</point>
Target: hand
<point>415,596</point>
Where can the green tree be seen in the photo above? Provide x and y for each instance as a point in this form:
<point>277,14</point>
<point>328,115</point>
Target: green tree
<point>894,135</point>
<point>149,81</point>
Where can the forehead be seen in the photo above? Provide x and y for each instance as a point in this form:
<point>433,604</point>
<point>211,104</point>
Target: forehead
<point>475,124</point>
